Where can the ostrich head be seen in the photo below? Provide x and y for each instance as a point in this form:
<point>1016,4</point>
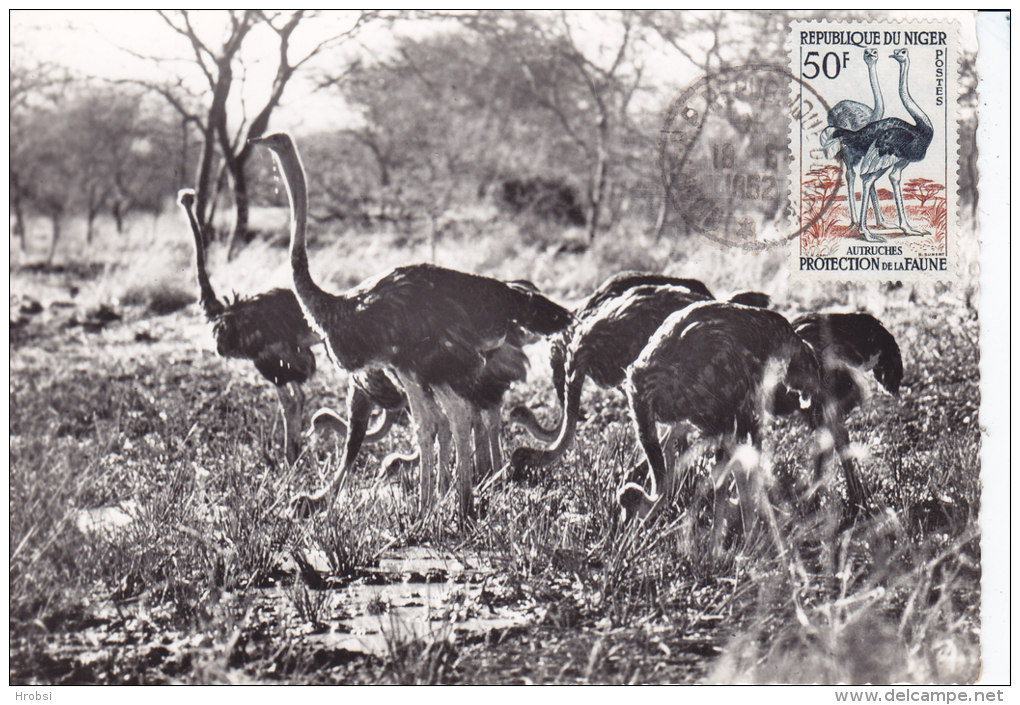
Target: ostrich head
<point>186,197</point>
<point>901,55</point>
<point>520,414</point>
<point>522,461</point>
<point>804,376</point>
<point>870,55</point>
<point>634,501</point>
<point>889,371</point>
<point>277,141</point>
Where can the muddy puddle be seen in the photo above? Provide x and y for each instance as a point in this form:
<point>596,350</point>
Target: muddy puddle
<point>415,594</point>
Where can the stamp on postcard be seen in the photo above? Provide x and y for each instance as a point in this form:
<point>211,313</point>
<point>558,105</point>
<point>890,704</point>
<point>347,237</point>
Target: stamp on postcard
<point>874,172</point>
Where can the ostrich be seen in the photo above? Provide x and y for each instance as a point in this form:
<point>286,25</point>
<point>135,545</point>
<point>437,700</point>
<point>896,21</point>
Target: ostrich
<point>709,366</point>
<point>609,332</point>
<point>601,346</point>
<point>445,335</point>
<point>846,345</point>
<point>612,288</point>
<point>678,378</point>
<point>887,146</point>
<point>503,367</point>
<point>845,341</point>
<point>267,329</point>
<point>851,115</point>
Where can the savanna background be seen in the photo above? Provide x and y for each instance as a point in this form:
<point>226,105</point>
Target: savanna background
<point>150,538</point>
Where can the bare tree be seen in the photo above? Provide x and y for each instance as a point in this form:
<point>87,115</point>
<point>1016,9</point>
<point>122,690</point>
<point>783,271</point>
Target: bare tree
<point>587,90</point>
<point>223,70</point>
<point>33,86</point>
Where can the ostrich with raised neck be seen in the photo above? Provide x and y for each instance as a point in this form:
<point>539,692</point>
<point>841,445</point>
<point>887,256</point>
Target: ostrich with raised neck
<point>887,146</point>
<point>852,115</point>
<point>438,331</point>
<point>267,329</point>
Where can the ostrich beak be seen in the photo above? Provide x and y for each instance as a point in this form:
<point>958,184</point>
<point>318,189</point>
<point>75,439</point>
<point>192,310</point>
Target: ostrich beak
<point>256,140</point>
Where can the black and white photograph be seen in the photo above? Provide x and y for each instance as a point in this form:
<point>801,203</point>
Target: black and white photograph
<point>508,347</point>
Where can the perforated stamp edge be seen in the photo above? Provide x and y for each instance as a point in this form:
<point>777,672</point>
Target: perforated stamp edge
<point>899,258</point>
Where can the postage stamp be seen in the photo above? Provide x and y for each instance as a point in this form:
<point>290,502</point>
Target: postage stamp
<point>874,171</point>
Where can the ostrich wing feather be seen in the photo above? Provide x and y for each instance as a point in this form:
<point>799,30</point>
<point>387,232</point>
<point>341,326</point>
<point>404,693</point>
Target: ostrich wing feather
<point>850,115</point>
<point>623,282</point>
<point>705,364</point>
<point>434,321</point>
<point>604,345</point>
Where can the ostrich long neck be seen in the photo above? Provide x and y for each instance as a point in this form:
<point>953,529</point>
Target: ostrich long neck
<point>210,304</point>
<point>913,108</point>
<point>879,109</point>
<point>312,298</point>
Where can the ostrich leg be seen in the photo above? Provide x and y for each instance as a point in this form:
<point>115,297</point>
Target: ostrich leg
<point>896,176</point>
<point>488,454</point>
<point>867,182</point>
<point>424,416</point>
<point>880,220</point>
<point>460,413</point>
<point>493,424</point>
<point>481,457</point>
<point>299,408</point>
<point>849,176</point>
<point>681,443</point>
<point>291,406</point>
<point>857,494</point>
<point>444,436</point>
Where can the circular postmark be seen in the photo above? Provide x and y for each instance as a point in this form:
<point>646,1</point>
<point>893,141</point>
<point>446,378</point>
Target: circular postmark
<point>724,154</point>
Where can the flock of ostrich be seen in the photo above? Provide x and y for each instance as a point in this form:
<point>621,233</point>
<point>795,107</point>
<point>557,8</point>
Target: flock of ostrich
<point>444,346</point>
<point>871,146</point>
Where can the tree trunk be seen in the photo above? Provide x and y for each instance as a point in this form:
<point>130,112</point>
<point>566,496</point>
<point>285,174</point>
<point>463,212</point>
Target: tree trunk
<point>90,224</point>
<point>599,176</point>
<point>217,117</point>
<point>182,165</point>
<point>55,219</point>
<point>240,188</point>
<point>117,211</point>
<point>19,215</point>
<point>202,179</point>
<point>597,190</point>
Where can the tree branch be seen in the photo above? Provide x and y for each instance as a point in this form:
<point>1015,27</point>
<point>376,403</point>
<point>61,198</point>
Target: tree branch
<point>198,48</point>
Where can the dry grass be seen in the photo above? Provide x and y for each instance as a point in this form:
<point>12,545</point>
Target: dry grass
<point>194,587</point>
